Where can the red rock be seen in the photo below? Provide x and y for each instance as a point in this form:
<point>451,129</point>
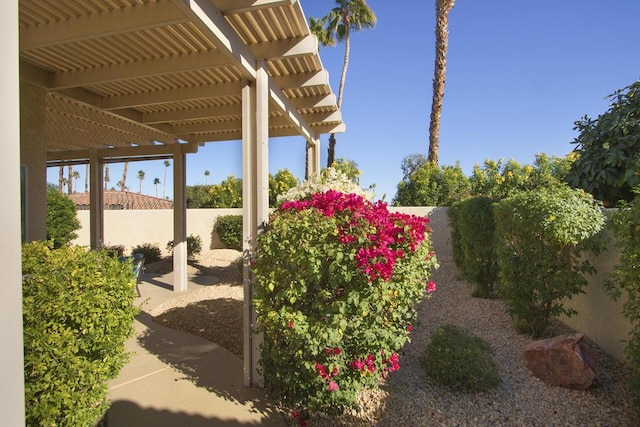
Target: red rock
<point>561,361</point>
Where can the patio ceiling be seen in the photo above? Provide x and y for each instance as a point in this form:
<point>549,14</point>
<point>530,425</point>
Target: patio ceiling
<point>127,73</point>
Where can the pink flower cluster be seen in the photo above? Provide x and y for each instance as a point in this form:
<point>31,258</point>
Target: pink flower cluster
<point>322,370</point>
<point>387,233</point>
<point>393,361</point>
<point>364,364</point>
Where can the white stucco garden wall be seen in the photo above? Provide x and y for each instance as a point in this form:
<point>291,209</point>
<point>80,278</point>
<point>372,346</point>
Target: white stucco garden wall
<point>599,317</point>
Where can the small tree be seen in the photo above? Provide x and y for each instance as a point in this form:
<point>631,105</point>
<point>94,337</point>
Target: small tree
<point>164,183</point>
<point>540,238</point>
<point>349,168</point>
<point>140,177</point>
<point>227,194</point>
<point>156,181</point>
<point>61,218</point>
<point>426,184</point>
<point>608,148</point>
<point>280,183</point>
<point>206,176</point>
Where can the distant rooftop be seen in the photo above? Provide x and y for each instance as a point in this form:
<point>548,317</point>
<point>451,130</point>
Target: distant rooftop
<point>116,200</point>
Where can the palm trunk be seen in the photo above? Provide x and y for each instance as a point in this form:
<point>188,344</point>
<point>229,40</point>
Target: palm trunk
<point>106,175</point>
<point>86,178</point>
<point>60,178</point>
<point>331,152</point>
<point>164,183</point>
<point>124,176</point>
<point>70,181</point>
<point>443,7</point>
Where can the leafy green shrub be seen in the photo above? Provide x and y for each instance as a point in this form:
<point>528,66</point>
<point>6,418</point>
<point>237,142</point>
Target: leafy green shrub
<point>540,236</point>
<point>608,164</point>
<point>229,231</point>
<point>460,360</point>
<point>336,280</point>
<point>194,246</point>
<point>473,239</point>
<point>427,184</point>
<point>61,218</point>
<point>453,213</point>
<point>78,312</point>
<point>150,251</point>
<point>500,179</point>
<point>115,250</point>
<point>625,224</point>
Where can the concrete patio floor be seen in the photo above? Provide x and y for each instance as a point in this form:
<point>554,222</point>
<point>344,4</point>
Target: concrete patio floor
<point>178,379</point>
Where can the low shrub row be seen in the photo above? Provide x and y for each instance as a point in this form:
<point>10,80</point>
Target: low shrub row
<point>77,312</point>
<point>532,244</point>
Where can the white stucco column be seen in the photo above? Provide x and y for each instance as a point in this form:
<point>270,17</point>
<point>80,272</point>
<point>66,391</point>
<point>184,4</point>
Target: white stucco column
<point>179,219</point>
<point>11,351</point>
<point>33,157</point>
<point>96,201</point>
<point>313,156</point>
<point>255,196</point>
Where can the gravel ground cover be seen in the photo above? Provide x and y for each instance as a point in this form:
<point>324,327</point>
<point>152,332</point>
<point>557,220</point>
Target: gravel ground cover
<point>409,397</point>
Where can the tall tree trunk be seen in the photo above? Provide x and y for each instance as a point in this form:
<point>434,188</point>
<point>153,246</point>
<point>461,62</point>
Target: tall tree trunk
<point>70,182</point>
<point>331,152</point>
<point>443,7</point>
<point>60,178</point>
<point>124,176</point>
<point>106,175</point>
<point>86,178</point>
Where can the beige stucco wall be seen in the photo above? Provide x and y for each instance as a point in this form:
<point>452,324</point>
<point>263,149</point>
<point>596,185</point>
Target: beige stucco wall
<point>600,317</point>
<point>33,156</point>
<point>11,350</point>
<point>135,227</point>
<point>439,223</point>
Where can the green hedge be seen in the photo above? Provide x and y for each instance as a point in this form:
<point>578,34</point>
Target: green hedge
<point>150,251</point>
<point>229,231</point>
<point>472,235</point>
<point>194,246</point>
<point>540,237</point>
<point>78,312</point>
<point>625,223</point>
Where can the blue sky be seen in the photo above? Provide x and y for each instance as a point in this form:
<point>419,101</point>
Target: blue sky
<point>520,72</point>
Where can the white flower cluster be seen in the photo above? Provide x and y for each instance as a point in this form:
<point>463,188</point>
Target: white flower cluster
<point>327,179</point>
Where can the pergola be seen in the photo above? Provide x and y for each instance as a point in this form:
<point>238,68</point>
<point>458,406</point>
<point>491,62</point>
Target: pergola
<point>121,80</point>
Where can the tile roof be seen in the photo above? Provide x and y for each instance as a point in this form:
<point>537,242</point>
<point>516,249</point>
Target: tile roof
<point>123,200</point>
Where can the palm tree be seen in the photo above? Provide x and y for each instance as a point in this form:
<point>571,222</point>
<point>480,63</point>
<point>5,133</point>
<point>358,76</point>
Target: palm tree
<point>164,183</point>
<point>443,7</point>
<point>76,175</point>
<point>106,175</point>
<point>347,16</point>
<point>70,179</point>
<point>86,178</point>
<point>206,176</point>
<point>124,176</point>
<point>60,178</point>
<point>156,181</point>
<point>140,177</point>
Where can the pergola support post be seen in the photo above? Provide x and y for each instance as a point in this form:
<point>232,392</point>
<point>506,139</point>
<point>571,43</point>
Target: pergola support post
<point>313,157</point>
<point>179,219</point>
<point>255,208</point>
<point>96,201</point>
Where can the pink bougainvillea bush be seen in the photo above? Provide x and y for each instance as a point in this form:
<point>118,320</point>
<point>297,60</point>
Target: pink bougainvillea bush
<point>337,279</point>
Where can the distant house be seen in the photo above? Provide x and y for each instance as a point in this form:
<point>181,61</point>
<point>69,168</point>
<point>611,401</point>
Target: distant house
<point>119,200</point>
